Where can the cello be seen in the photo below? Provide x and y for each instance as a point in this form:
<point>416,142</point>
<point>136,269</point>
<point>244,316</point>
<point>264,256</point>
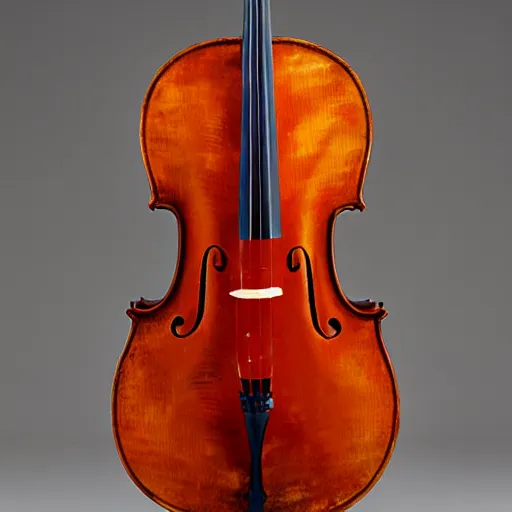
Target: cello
<point>255,383</point>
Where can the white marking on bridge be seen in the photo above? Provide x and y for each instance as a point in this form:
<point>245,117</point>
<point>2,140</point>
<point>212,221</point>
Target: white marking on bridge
<point>261,293</point>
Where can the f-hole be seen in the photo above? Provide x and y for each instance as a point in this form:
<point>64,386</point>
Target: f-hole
<point>219,263</point>
<point>293,264</point>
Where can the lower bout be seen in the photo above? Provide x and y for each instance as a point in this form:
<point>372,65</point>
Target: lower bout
<point>209,470</point>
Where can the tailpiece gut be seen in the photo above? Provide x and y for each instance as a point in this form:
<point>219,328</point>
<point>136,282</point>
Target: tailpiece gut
<point>256,404</point>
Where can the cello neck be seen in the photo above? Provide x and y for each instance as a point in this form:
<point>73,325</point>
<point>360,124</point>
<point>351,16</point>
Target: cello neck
<point>259,210</point>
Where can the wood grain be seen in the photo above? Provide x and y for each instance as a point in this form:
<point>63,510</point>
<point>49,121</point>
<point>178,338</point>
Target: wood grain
<point>176,416</point>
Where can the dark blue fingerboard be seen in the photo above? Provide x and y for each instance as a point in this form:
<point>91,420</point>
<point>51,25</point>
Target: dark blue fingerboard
<point>259,211</point>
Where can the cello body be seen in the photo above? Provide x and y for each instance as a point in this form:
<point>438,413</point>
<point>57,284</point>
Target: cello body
<point>176,421</point>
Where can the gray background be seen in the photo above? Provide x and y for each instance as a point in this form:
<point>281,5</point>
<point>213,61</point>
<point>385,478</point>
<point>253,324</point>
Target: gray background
<point>78,241</point>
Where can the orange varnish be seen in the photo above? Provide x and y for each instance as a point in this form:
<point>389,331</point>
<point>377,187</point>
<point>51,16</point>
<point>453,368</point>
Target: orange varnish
<point>254,316</point>
<point>176,414</point>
